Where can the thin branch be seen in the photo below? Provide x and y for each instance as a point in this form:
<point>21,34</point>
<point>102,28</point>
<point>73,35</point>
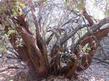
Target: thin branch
<point>64,39</point>
<point>88,18</point>
<point>10,67</point>
<point>49,39</point>
<point>94,29</point>
<point>100,60</point>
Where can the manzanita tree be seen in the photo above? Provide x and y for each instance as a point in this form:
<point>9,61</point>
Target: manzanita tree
<point>49,51</point>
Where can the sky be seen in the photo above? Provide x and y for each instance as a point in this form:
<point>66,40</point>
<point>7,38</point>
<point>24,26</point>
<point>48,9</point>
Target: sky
<point>94,10</point>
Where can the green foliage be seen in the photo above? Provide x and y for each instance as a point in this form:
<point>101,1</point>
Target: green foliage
<point>17,10</point>
<point>11,80</point>
<point>107,1</point>
<point>2,9</point>
<point>14,6</point>
<point>107,13</point>
<point>87,48</point>
<point>20,44</point>
<point>2,48</point>
<point>11,31</point>
<point>81,5</point>
<point>66,1</point>
<point>107,9</point>
<point>74,4</point>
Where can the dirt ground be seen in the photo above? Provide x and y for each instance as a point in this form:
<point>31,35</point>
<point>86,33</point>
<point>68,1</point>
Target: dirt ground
<point>98,71</point>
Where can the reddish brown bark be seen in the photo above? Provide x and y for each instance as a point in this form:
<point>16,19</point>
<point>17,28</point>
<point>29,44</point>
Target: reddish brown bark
<point>34,50</point>
<point>87,59</point>
<point>88,17</point>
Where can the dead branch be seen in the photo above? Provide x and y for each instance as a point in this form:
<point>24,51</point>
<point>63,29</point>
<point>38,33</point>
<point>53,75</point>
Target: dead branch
<point>88,18</point>
<point>94,29</point>
<point>49,39</point>
<point>10,67</point>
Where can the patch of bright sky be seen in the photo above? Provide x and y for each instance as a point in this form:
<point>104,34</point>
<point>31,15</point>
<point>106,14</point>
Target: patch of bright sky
<point>57,12</point>
<point>97,11</point>
<point>57,1</point>
<point>94,10</point>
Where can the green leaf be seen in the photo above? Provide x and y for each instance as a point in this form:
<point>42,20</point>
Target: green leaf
<point>3,49</point>
<point>81,5</point>
<point>107,13</point>
<point>11,32</point>
<point>66,1</point>
<point>11,80</point>
<point>86,48</point>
